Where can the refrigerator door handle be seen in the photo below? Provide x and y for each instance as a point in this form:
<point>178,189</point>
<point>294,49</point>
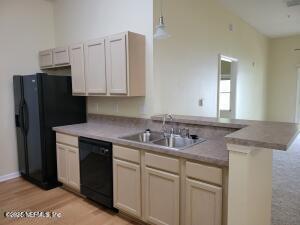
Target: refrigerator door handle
<point>19,117</point>
<point>21,113</point>
<point>25,118</point>
<point>18,120</point>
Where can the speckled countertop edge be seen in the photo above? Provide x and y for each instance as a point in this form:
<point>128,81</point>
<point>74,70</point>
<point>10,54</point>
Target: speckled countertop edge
<point>211,152</point>
<point>260,134</point>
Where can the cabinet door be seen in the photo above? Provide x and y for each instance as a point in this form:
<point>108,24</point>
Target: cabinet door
<point>61,156</point>
<point>162,197</point>
<point>61,56</point>
<point>77,69</point>
<point>95,67</point>
<point>127,187</point>
<point>117,69</point>
<point>203,203</point>
<point>45,58</point>
<point>73,168</point>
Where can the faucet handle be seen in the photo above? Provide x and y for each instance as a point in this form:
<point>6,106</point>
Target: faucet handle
<point>185,132</point>
<point>188,132</point>
<point>170,115</point>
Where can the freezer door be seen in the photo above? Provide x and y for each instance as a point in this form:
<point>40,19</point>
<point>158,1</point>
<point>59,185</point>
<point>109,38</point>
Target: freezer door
<point>19,103</point>
<point>32,127</point>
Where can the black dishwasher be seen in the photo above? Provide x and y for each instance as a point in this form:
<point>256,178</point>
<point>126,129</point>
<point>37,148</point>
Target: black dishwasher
<point>96,176</point>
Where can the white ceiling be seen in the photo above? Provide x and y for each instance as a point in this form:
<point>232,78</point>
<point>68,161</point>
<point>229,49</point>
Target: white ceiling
<point>270,17</point>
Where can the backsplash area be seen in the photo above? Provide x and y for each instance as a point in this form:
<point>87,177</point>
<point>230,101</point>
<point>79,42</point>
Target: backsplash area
<point>140,124</point>
<point>120,106</point>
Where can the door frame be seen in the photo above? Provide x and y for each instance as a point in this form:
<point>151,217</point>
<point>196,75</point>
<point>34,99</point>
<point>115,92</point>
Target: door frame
<point>234,79</point>
<point>297,112</point>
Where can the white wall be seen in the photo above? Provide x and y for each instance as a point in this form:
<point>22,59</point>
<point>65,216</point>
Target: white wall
<point>186,65</point>
<point>81,20</point>
<point>25,27</point>
<point>282,82</point>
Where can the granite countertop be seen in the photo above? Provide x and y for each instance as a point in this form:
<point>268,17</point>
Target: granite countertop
<point>212,151</point>
<point>262,134</point>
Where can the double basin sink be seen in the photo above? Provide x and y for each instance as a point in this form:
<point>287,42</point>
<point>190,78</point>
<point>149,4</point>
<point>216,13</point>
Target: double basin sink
<point>176,142</point>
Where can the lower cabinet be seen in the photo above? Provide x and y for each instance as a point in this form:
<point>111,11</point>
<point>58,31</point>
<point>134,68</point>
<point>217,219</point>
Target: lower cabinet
<point>68,166</point>
<point>73,168</point>
<point>62,167</point>
<point>150,187</point>
<point>127,187</point>
<point>203,203</point>
<point>162,197</point>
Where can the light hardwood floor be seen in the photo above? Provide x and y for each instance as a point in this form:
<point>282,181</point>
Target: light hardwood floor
<point>20,195</point>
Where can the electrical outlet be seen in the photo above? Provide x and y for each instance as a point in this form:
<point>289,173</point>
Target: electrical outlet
<point>116,107</point>
<point>98,108</point>
<point>200,102</point>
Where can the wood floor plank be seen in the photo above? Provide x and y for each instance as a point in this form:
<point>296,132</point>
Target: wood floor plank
<point>20,195</point>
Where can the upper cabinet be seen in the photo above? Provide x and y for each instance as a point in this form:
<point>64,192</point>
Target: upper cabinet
<point>127,64</point>
<point>52,58</point>
<point>46,58</point>
<point>95,67</point>
<point>61,56</point>
<point>117,64</point>
<point>109,66</point>
<point>77,69</point>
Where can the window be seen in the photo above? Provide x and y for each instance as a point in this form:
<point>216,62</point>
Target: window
<point>225,87</point>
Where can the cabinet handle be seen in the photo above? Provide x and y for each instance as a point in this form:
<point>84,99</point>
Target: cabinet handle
<point>62,63</point>
<point>114,40</point>
<point>46,54</point>
<point>99,43</point>
<point>60,51</point>
<point>75,48</point>
<point>94,93</point>
<point>61,147</point>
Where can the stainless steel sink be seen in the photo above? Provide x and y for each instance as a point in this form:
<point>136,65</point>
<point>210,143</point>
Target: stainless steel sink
<point>176,142</point>
<point>145,137</point>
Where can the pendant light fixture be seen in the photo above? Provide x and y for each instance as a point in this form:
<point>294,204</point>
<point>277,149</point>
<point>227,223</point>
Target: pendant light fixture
<point>161,31</point>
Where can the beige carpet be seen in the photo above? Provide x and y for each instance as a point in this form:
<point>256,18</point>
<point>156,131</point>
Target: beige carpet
<point>286,186</point>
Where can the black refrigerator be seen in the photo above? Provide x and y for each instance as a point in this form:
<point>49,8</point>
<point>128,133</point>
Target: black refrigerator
<point>42,102</point>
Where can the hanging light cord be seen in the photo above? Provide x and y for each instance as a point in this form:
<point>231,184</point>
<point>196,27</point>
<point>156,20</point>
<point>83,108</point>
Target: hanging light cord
<point>161,7</point>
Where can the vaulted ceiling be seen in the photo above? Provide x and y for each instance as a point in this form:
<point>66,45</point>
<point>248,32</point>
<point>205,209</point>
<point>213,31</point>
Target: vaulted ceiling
<point>270,17</point>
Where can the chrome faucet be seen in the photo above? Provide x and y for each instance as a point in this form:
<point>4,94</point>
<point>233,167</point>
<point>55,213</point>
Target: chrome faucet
<point>164,128</point>
<point>182,132</point>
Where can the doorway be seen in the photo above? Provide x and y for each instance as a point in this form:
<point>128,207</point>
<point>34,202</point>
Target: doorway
<point>227,79</point>
<point>297,114</point>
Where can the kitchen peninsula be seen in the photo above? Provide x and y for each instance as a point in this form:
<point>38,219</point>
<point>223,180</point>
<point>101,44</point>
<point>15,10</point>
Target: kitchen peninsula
<point>228,177</point>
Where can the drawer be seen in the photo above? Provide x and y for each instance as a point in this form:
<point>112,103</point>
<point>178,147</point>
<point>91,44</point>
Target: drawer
<point>67,139</point>
<point>203,172</point>
<point>128,154</point>
<point>162,162</point>
<point>67,148</point>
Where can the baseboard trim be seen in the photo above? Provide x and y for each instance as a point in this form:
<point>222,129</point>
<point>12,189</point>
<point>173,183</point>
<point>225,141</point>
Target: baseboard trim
<point>9,176</point>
